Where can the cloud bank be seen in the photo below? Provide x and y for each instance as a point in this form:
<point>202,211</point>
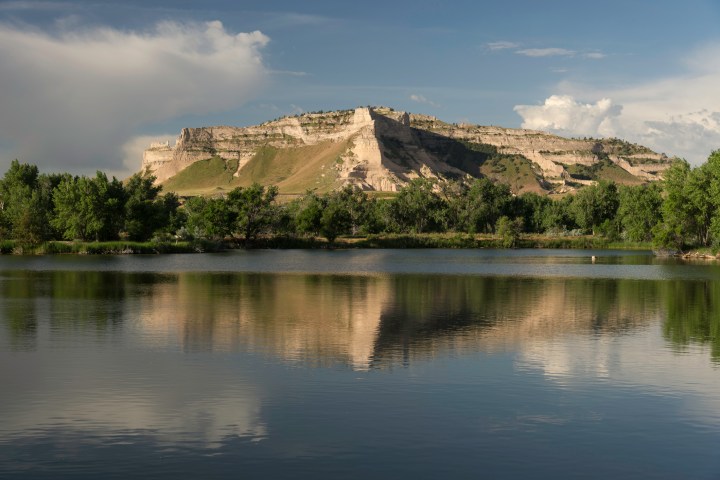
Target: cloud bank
<point>71,100</point>
<point>563,114</point>
<point>678,115</point>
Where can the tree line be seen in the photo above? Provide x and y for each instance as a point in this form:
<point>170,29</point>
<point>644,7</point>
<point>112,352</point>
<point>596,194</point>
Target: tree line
<point>681,212</point>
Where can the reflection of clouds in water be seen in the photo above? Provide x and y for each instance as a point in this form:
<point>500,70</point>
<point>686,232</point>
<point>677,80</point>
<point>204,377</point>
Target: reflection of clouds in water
<point>173,404</point>
<point>576,363</point>
<point>561,359</point>
<point>205,422</point>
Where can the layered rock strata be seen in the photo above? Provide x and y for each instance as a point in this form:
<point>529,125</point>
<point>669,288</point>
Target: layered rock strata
<point>386,149</point>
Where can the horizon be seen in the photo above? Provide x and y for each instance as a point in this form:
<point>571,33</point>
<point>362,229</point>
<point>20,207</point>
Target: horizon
<point>88,86</point>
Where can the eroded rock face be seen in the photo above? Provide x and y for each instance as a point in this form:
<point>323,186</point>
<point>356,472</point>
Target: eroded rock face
<point>386,148</point>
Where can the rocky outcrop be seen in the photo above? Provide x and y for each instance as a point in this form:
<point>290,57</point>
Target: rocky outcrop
<point>386,149</point>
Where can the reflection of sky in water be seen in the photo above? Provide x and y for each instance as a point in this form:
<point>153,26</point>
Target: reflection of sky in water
<point>166,397</point>
<point>415,372</point>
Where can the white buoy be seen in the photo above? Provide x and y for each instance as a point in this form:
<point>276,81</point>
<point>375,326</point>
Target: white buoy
<point>592,259</point>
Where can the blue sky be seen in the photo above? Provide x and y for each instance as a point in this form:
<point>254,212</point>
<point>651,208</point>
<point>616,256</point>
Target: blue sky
<point>85,85</point>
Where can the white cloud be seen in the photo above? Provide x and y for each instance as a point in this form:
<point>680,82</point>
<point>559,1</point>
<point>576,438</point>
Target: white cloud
<point>422,99</point>
<point>676,115</point>
<point>563,114</point>
<point>594,55</point>
<point>501,45</point>
<point>70,101</point>
<point>546,52</point>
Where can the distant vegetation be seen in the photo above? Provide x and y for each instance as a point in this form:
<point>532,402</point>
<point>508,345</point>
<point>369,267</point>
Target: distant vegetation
<point>681,212</point>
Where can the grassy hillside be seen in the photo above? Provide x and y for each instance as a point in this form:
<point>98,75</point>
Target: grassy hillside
<point>292,170</point>
<point>203,177</point>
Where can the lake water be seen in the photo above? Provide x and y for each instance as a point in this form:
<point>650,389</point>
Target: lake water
<point>360,364</point>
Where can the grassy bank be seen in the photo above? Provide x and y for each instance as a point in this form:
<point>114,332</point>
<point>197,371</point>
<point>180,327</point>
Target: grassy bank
<point>432,240</point>
<point>106,248</point>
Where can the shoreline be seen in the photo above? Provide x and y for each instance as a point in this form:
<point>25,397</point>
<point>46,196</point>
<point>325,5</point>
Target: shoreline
<point>404,241</point>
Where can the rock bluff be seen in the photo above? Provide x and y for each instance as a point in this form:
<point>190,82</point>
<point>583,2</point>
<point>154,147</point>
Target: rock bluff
<point>382,149</point>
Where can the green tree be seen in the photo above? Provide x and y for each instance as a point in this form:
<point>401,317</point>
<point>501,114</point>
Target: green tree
<point>308,214</point>
<point>357,205</point>
<point>418,208</point>
<point>530,207</point>
<point>639,211</point>
<point>335,220</point>
<point>89,208</point>
<point>509,230</point>
<point>557,215</point>
<point>253,208</point>
<point>594,205</point>
<point>689,205</point>
<point>144,211</point>
<point>209,218</point>
<point>713,166</point>
<point>482,205</point>
<point>26,203</point>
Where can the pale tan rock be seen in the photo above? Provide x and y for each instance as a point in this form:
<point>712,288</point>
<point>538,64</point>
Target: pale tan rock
<point>387,148</point>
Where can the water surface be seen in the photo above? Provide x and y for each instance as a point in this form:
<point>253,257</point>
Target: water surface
<point>350,364</point>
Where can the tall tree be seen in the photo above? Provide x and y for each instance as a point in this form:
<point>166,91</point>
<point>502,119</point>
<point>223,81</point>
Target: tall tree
<point>639,211</point>
<point>595,204</point>
<point>89,208</point>
<point>418,208</point>
<point>482,205</point>
<point>144,213</point>
<point>689,207</point>
<point>26,203</point>
<point>253,208</point>
<point>209,217</point>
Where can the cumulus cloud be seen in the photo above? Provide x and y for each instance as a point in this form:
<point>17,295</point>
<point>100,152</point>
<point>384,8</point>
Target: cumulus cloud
<point>564,114</point>
<point>676,115</point>
<point>71,100</point>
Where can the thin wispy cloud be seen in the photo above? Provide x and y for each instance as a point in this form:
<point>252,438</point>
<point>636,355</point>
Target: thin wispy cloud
<point>546,52</point>
<point>293,19</point>
<point>515,47</point>
<point>501,45</point>
<point>71,100</point>
<point>422,99</point>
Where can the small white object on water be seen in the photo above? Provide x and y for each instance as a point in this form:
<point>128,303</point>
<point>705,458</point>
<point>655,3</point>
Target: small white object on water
<point>592,259</point>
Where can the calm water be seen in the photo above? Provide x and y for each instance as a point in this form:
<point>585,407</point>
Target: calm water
<point>359,364</point>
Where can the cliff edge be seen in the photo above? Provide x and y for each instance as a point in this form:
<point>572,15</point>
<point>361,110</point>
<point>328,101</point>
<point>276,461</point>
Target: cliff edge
<point>382,149</point>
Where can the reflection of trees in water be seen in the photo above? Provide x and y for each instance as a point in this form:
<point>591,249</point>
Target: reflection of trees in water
<point>361,320</point>
<point>19,310</point>
<point>88,300</point>
<point>80,300</point>
<point>693,314</point>
<point>433,313</point>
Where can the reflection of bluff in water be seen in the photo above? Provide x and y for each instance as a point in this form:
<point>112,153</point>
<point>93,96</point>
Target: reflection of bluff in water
<point>362,321</point>
<point>432,315</point>
<point>375,321</point>
<point>313,318</point>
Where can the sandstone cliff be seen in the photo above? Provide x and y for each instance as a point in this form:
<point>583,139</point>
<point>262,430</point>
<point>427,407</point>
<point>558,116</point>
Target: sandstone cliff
<point>381,149</point>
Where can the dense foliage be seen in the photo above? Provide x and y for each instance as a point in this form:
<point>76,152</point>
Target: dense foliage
<point>683,211</point>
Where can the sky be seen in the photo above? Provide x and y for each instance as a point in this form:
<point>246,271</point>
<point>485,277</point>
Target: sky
<point>87,85</point>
